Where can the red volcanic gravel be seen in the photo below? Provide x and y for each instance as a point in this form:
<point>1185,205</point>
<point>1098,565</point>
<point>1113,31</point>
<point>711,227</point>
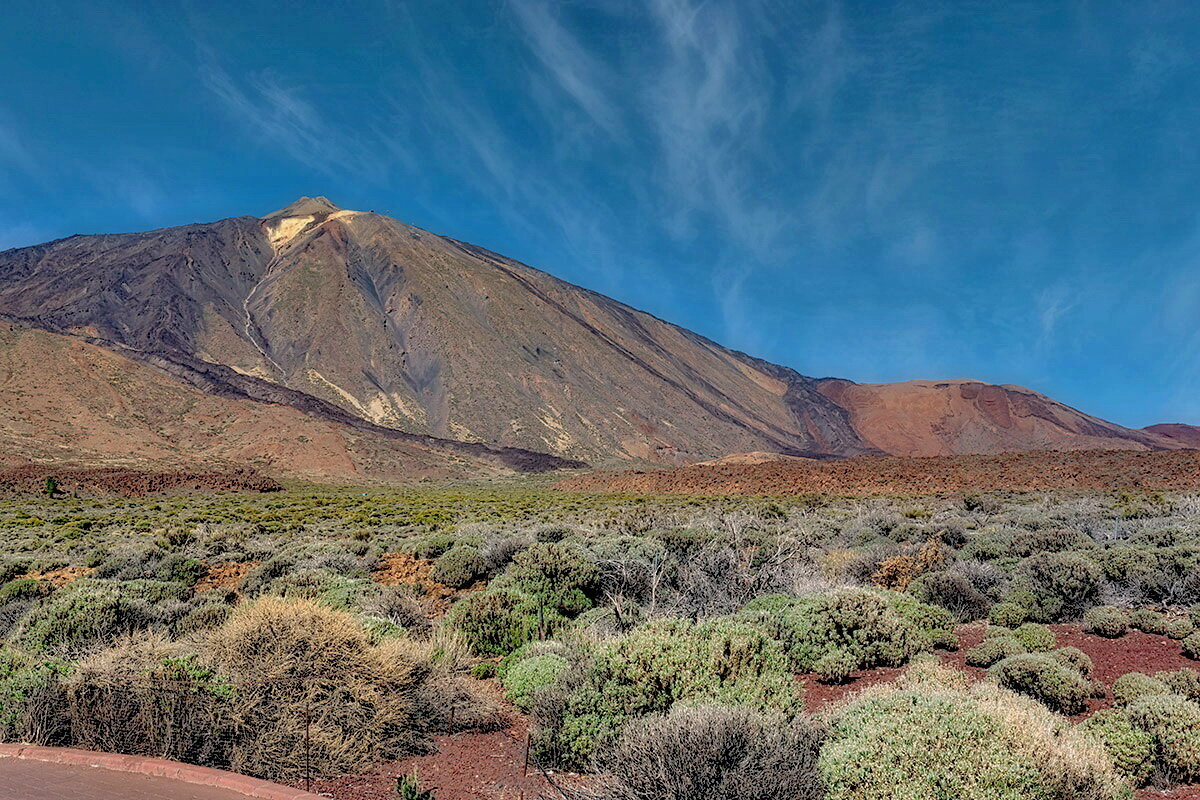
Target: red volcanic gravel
<point>1031,471</point>
<point>1112,658</point>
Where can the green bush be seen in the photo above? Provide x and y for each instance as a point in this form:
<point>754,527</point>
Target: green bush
<point>661,664</point>
<point>1130,748</point>
<point>855,628</point>
<point>203,617</point>
<point>1107,621</point>
<point>1045,679</point>
<point>557,575</point>
<point>83,615</point>
<point>1174,722</point>
<point>1036,638</point>
<point>459,567</point>
<point>929,736</point>
<point>1179,628</point>
<point>1074,658</point>
<point>1008,615</point>
<point>1062,585</point>
<point>24,589</point>
<point>498,621</point>
<point>31,697</point>
<point>527,676</point>
<point>953,592</point>
<point>1148,621</point>
<point>178,568</point>
<point>1191,645</point>
<point>1134,685</point>
<point>1184,682</point>
<point>994,649</point>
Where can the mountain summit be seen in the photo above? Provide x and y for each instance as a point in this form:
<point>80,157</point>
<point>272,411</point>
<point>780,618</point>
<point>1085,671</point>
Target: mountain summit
<point>411,331</point>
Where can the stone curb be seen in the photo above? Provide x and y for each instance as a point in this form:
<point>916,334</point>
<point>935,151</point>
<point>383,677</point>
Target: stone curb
<point>157,767</point>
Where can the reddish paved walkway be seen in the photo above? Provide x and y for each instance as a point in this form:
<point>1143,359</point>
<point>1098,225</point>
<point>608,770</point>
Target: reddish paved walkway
<point>60,773</point>
<point>39,780</point>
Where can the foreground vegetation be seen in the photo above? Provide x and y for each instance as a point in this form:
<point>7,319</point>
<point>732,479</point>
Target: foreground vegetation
<point>327,629</point>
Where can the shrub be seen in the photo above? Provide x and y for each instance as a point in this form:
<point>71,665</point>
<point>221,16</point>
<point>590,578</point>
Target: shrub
<point>872,628</point>
<point>497,621</point>
<point>1149,621</point>
<point>557,576</point>
<point>1074,658</point>
<point>994,649</point>
<point>1106,621</point>
<point>930,736</point>
<point>1062,585</point>
<point>1191,645</point>
<point>202,618</point>
<point>953,592</point>
<point>527,676</point>
<point>288,655</point>
<point>24,589</point>
<point>1036,638</point>
<point>835,667</point>
<point>180,569</point>
<point>1045,679</point>
<point>1179,628</point>
<point>662,663</point>
<point>458,567</point>
<point>146,695</point>
<point>1134,685</point>
<point>83,615</point>
<point>1008,615</point>
<point>1130,748</point>
<point>1184,682</point>
<point>714,753</point>
<point>32,698</point>
<point>1174,722</point>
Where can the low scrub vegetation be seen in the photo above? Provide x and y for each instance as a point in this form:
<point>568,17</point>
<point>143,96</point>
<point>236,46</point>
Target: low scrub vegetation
<point>640,634</point>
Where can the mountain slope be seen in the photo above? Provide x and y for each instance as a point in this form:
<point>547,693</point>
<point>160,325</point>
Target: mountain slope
<point>1185,435</point>
<point>321,308</point>
<point>64,399</point>
<point>421,333</point>
<point>939,418</point>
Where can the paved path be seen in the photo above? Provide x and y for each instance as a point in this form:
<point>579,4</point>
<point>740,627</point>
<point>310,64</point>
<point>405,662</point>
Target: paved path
<point>39,780</point>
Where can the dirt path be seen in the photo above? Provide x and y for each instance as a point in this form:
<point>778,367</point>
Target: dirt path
<point>466,766</point>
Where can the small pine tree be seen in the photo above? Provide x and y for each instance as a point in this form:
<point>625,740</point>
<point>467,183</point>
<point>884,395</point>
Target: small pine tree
<point>409,788</point>
<point>51,486</point>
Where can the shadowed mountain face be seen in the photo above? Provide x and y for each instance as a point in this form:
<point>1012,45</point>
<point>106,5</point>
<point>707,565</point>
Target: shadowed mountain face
<point>417,332</point>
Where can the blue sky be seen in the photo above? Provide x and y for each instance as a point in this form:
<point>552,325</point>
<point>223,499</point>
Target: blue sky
<point>880,191</point>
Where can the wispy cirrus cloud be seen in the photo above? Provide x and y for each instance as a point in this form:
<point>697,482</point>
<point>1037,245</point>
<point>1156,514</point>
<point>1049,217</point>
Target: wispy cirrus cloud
<point>570,66</point>
<point>281,117</point>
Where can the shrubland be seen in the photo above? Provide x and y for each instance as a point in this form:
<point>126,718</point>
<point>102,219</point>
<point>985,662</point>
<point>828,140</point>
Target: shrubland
<point>639,633</point>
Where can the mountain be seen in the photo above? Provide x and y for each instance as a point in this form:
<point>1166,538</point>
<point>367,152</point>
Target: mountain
<point>63,399</point>
<point>383,325</point>
<point>1185,435</point>
<point>957,417</point>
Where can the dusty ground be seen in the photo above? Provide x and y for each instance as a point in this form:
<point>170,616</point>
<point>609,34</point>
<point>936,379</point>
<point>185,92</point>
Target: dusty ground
<point>225,576</point>
<point>1035,471</point>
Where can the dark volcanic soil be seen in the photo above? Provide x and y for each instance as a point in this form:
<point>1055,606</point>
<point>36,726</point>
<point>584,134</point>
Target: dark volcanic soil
<point>31,479</point>
<point>1033,471</point>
